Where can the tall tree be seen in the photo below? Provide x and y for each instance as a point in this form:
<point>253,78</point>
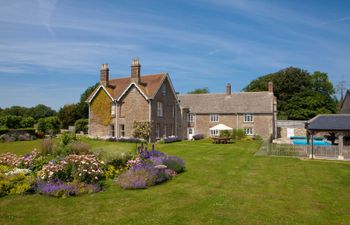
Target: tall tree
<point>41,111</point>
<point>68,114</point>
<point>299,94</point>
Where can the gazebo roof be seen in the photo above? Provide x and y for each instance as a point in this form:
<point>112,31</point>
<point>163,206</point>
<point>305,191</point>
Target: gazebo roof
<point>333,122</point>
<point>221,127</point>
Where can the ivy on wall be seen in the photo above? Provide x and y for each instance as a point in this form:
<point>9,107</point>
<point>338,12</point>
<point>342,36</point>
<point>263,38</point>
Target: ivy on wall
<point>101,109</point>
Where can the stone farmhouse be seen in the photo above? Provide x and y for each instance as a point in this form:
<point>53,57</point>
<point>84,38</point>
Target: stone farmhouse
<point>254,112</point>
<point>116,103</point>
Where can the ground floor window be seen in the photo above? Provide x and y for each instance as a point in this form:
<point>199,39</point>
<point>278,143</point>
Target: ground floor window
<point>214,132</point>
<point>122,130</point>
<point>248,131</point>
<point>111,131</point>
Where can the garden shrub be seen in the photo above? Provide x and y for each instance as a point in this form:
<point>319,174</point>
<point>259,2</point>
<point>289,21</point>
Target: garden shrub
<point>49,125</point>
<point>119,161</point>
<point>81,125</point>
<point>16,183</point>
<point>198,136</point>
<point>58,188</point>
<point>238,134</point>
<point>141,176</point>
<point>149,168</point>
<point>174,163</point>
<point>225,133</point>
<point>142,129</point>
<point>81,168</point>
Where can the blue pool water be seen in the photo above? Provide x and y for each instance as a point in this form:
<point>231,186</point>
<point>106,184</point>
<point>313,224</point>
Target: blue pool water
<point>304,142</point>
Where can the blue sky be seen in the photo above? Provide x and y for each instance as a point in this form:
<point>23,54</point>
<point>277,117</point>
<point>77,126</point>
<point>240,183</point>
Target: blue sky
<point>51,50</point>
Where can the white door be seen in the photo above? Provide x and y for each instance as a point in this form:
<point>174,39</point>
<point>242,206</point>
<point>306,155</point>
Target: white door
<point>290,132</point>
<point>190,132</point>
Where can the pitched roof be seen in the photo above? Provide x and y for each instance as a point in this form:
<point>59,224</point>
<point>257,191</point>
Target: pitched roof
<point>334,122</point>
<point>345,105</point>
<point>221,127</point>
<point>149,85</point>
<point>242,102</point>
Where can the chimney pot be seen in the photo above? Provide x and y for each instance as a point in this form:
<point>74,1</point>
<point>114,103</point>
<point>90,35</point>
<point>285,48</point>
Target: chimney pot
<point>270,87</point>
<point>104,74</point>
<point>228,89</point>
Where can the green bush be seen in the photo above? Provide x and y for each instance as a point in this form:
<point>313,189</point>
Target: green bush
<point>225,133</point>
<point>27,122</point>
<point>81,125</point>
<point>49,125</point>
<point>67,138</point>
<point>238,134</point>
<point>17,183</point>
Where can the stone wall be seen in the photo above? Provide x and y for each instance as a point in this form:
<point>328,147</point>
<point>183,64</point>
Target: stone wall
<point>169,124</point>
<point>262,123</point>
<point>132,107</point>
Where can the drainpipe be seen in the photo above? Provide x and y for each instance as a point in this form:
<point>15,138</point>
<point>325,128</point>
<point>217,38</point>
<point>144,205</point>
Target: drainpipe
<point>116,120</point>
<point>150,118</point>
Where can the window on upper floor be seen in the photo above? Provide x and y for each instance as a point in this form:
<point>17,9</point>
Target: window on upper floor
<point>160,112</point>
<point>190,117</point>
<point>163,89</point>
<point>248,131</point>
<point>248,117</point>
<point>214,118</point>
<point>112,108</point>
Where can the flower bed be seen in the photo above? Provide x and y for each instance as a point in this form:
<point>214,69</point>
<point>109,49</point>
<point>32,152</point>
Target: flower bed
<point>149,168</point>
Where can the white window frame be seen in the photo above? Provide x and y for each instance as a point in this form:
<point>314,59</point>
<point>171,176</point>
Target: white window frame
<point>113,107</point>
<point>214,133</point>
<point>160,112</point>
<point>190,117</point>
<point>214,117</point>
<point>122,130</point>
<point>249,131</point>
<point>248,118</point>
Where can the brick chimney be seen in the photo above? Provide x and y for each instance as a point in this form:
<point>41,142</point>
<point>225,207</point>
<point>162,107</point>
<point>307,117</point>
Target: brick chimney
<point>104,75</point>
<point>135,70</point>
<point>228,89</point>
<point>270,87</point>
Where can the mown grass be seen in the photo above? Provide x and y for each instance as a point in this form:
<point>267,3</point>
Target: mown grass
<point>223,184</point>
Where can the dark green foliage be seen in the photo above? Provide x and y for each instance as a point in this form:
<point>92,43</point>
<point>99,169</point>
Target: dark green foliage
<point>68,114</point>
<point>199,91</point>
<point>300,95</point>
<point>225,133</point>
<point>238,134</point>
<point>49,125</point>
<point>81,125</point>
<point>37,112</point>
<point>41,111</point>
<point>27,122</point>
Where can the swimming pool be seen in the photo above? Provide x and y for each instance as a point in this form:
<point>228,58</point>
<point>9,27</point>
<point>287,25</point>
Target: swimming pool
<point>304,142</point>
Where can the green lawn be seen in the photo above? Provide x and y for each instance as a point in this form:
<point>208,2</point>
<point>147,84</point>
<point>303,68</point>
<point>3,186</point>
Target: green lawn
<point>223,184</point>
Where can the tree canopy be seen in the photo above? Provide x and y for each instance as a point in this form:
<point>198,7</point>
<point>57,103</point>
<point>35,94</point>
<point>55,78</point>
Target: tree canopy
<point>204,90</point>
<point>300,95</point>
